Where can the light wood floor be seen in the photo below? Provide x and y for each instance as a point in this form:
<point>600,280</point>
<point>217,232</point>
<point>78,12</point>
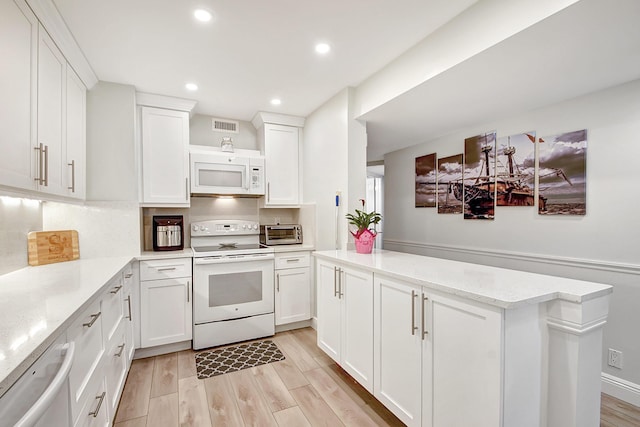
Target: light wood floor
<point>305,389</point>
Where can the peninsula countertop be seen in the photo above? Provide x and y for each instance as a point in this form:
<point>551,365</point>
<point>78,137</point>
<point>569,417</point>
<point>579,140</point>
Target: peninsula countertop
<point>496,286</point>
<point>37,304</point>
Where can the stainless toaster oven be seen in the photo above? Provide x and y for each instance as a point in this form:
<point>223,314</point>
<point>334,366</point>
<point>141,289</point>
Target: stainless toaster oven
<point>282,234</point>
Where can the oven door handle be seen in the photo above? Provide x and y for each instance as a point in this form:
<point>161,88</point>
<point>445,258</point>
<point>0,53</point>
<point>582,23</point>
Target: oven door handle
<point>230,259</point>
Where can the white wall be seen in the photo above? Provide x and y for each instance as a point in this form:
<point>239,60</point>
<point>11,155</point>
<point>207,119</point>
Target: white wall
<point>201,133</point>
<point>111,143</point>
<point>325,167</point>
<point>600,246</point>
<point>18,217</point>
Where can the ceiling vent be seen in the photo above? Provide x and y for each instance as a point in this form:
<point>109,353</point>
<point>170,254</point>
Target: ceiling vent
<point>226,126</point>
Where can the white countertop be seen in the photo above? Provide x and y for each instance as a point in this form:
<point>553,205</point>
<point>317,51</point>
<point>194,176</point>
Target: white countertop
<point>491,285</point>
<point>148,255</point>
<point>37,304</point>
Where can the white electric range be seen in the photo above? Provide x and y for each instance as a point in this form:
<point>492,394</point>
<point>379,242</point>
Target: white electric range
<point>232,283</point>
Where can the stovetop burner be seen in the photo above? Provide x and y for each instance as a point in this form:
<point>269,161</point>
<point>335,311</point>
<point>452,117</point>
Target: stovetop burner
<point>226,237</point>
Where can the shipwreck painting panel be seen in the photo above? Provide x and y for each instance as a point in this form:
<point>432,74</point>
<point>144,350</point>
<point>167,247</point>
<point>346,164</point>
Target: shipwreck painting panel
<point>426,181</point>
<point>449,175</point>
<point>515,170</point>
<point>562,173</point>
<point>479,176</point>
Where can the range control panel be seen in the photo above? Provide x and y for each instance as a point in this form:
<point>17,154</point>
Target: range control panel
<point>224,227</point>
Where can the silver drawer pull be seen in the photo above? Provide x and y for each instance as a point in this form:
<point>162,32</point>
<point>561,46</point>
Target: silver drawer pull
<point>73,176</point>
<point>128,275</point>
<point>116,289</point>
<point>166,268</point>
<point>129,303</point>
<point>424,310</point>
<point>101,397</point>
<point>119,354</point>
<point>94,317</point>
<point>293,260</point>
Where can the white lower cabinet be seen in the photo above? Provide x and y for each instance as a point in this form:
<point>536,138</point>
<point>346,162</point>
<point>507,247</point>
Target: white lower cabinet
<point>345,319</point>
<point>165,303</point>
<point>101,363</point>
<point>438,359</point>
<point>293,287</point>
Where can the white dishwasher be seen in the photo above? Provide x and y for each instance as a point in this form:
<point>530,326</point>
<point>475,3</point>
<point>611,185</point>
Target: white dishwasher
<point>40,397</point>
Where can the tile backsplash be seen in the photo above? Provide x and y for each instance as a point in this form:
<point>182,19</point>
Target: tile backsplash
<point>17,218</point>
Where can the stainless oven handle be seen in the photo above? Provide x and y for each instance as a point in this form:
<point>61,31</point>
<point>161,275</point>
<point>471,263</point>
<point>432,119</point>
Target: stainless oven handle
<point>230,259</point>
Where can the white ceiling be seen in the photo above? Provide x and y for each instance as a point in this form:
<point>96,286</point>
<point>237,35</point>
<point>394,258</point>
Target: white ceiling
<point>253,50</point>
<point>591,45</point>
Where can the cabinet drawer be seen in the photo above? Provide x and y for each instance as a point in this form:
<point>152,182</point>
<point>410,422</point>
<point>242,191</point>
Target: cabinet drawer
<point>112,307</point>
<point>116,368</point>
<point>165,269</point>
<point>292,260</point>
<point>127,278</point>
<point>86,332</point>
<point>94,412</point>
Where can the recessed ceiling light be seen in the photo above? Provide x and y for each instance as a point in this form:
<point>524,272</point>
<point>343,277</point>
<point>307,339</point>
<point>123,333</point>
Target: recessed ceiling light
<point>276,101</point>
<point>191,86</point>
<point>202,15</point>
<point>322,48</point>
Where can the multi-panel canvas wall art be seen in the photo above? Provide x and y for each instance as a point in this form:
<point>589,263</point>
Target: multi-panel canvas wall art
<point>449,193</point>
<point>562,177</point>
<point>515,170</point>
<point>426,181</point>
<point>479,176</point>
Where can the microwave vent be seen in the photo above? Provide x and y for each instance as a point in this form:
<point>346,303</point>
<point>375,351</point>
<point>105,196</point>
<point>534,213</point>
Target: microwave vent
<point>226,126</point>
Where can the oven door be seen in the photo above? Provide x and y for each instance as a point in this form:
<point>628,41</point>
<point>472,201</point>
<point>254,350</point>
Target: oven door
<point>227,288</point>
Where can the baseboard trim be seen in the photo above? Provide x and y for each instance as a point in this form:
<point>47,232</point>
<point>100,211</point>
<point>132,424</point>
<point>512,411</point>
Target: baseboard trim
<point>294,325</point>
<point>314,323</point>
<point>141,353</point>
<point>521,256</point>
<point>621,389</point>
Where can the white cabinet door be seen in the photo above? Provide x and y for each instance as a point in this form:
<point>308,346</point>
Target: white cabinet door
<point>52,82</point>
<point>467,363</point>
<point>75,170</point>
<point>398,349</point>
<point>293,295</point>
<point>329,309</point>
<point>281,165</point>
<point>115,369</point>
<point>127,309</point>
<point>165,311</point>
<point>355,289</point>
<point>18,94</point>
<point>165,157</point>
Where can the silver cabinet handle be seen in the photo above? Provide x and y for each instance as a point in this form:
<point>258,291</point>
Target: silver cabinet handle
<point>335,282</point>
<point>277,282</point>
<point>293,260</point>
<point>188,291</point>
<point>268,192</point>
<point>129,304</point>
<point>119,354</point>
<point>40,151</point>
<point>128,275</point>
<point>424,309</point>
<point>186,185</point>
<point>46,165</point>
<point>413,312</point>
<point>73,176</point>
<point>116,289</point>
<point>340,273</point>
<point>166,268</point>
<point>101,399</point>
<point>94,317</point>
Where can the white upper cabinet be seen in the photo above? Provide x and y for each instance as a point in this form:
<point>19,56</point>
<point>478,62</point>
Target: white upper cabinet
<point>42,109</point>
<point>165,150</point>
<point>75,170</point>
<point>18,96</point>
<point>280,139</point>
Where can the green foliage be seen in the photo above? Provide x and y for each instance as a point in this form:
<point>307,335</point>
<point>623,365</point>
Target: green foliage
<point>363,220</point>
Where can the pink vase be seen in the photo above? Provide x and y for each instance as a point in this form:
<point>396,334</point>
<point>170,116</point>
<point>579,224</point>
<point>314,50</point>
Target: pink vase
<point>364,243</point>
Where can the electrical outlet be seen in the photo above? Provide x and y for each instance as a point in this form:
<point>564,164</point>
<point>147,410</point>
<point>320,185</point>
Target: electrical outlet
<point>615,358</point>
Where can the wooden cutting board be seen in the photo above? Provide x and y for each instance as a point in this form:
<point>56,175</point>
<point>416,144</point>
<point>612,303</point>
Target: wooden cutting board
<point>47,247</point>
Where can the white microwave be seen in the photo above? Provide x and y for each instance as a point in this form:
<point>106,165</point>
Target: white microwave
<point>214,172</point>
